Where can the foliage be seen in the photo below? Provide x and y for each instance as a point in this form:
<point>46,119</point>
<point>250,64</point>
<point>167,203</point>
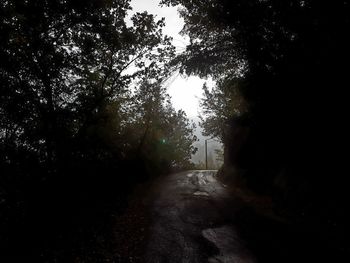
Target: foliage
<point>290,60</point>
<point>219,105</point>
<point>219,155</point>
<point>83,115</point>
<point>155,131</point>
<point>62,63</point>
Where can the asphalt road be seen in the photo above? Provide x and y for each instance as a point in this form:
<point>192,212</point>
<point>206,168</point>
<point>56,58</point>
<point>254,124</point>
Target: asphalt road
<point>192,217</point>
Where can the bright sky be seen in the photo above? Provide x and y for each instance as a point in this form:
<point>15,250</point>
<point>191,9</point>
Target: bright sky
<point>185,91</point>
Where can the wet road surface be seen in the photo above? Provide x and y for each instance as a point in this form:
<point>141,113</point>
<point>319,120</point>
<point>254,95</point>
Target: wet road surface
<point>192,219</point>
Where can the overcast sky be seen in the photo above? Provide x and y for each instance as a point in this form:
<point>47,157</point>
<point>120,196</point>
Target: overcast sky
<point>185,92</point>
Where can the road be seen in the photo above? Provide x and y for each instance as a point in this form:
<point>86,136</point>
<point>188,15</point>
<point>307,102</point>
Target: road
<point>192,217</point>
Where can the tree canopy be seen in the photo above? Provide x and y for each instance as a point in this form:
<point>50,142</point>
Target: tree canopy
<point>287,61</point>
<point>84,115</point>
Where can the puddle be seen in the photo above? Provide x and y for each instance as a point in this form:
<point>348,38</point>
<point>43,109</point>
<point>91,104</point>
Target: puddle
<point>201,179</point>
<point>210,178</point>
<point>200,193</point>
<point>229,245</point>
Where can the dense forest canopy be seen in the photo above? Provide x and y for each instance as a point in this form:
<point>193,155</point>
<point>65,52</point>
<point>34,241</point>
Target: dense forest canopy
<point>279,104</point>
<point>84,115</point>
<point>64,64</point>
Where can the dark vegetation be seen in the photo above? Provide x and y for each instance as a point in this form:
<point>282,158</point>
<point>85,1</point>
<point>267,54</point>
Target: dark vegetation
<point>83,120</point>
<point>279,105</point>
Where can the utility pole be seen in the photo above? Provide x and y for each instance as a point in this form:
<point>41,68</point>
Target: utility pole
<point>206,154</point>
<point>206,151</point>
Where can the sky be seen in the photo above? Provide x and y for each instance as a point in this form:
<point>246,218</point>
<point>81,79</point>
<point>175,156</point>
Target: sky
<point>184,91</point>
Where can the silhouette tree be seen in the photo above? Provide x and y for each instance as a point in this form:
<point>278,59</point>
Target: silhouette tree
<point>80,95</point>
<point>219,105</point>
<point>161,135</point>
<point>63,62</point>
<point>289,58</point>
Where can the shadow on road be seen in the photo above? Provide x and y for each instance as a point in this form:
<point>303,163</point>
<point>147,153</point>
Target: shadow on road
<point>272,241</point>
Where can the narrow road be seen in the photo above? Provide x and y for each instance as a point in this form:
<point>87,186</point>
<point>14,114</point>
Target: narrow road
<point>192,222</point>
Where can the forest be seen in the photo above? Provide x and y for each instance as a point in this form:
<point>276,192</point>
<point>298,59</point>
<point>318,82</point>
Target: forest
<point>85,118</point>
<point>279,105</point>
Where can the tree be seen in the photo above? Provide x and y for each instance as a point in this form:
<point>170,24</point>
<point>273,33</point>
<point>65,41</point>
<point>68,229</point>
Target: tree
<point>60,60</point>
<point>73,75</point>
<point>289,58</point>
<point>219,155</point>
<point>162,135</point>
<point>219,105</point>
